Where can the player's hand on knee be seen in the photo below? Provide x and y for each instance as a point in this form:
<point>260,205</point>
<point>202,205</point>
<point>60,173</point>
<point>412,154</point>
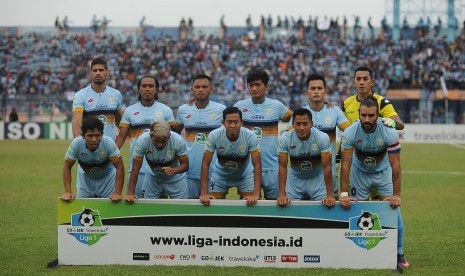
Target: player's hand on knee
<point>394,200</point>
<point>67,196</point>
<point>283,201</point>
<point>130,198</point>
<point>116,197</point>
<point>329,201</point>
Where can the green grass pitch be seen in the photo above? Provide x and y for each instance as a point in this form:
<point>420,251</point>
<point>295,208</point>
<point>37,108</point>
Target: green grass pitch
<point>433,192</point>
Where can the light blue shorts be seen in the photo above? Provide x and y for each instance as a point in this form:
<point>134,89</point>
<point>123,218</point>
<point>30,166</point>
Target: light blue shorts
<point>311,188</point>
<point>154,188</point>
<point>139,184</point>
<point>222,185</point>
<point>270,184</point>
<point>362,183</point>
<point>88,187</point>
<point>193,187</point>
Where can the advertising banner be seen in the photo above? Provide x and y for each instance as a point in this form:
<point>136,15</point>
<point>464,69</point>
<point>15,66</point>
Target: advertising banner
<point>228,233</point>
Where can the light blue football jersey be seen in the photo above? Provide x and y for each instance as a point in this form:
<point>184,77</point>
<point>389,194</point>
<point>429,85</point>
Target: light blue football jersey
<point>370,149</point>
<point>103,105</point>
<point>263,120</point>
<point>198,124</point>
<point>95,164</point>
<point>305,156</point>
<point>168,157</point>
<point>233,160</point>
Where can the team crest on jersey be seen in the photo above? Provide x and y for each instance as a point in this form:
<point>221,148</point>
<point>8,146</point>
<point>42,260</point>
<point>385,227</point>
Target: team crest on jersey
<point>201,138</point>
<point>103,118</point>
<point>213,116</point>
<point>158,114</point>
<point>379,141</point>
<point>111,100</point>
<point>328,120</point>
<point>314,147</point>
<point>369,161</point>
<point>103,154</point>
<point>269,111</point>
<point>170,153</point>
<point>306,165</point>
<point>258,132</point>
<point>242,148</point>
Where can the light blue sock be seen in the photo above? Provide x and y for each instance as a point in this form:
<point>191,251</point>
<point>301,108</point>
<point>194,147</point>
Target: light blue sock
<point>400,233</point>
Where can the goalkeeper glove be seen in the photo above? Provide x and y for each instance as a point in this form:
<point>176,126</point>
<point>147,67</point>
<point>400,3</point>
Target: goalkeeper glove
<point>389,122</point>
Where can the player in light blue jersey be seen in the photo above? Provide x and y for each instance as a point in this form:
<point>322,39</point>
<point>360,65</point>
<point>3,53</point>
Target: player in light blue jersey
<point>98,100</point>
<point>138,117</point>
<point>262,115</point>
<point>325,118</point>
<point>165,152</point>
<point>198,120</point>
<point>102,172</point>
<point>233,145</point>
<point>309,151</point>
<point>371,155</point>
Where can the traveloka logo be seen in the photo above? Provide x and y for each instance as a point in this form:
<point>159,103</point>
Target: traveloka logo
<point>87,227</point>
<point>200,138</point>
<point>365,230</point>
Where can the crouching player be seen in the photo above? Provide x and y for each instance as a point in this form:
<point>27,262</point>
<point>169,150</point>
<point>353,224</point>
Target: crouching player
<point>233,145</point>
<point>375,150</point>
<point>165,152</point>
<point>310,174</point>
<point>101,170</point>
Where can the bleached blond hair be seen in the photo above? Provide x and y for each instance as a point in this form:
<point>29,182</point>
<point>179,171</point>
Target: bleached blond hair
<point>160,129</point>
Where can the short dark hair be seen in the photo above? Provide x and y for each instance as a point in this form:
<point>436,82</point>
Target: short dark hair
<point>157,85</point>
<point>231,110</point>
<point>364,69</point>
<point>313,77</point>
<point>98,60</point>
<point>202,76</point>
<point>370,102</point>
<point>91,123</point>
<point>301,111</point>
<point>258,74</point>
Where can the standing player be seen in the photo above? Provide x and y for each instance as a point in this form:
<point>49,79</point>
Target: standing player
<point>98,100</point>
<point>262,116</point>
<point>102,169</point>
<point>138,117</point>
<point>325,119</point>
<point>375,150</point>
<point>364,82</point>
<point>233,145</point>
<point>198,120</point>
<point>165,152</point>
<point>310,172</point>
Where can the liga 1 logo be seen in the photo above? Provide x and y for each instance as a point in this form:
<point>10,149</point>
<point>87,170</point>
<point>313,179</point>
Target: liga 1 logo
<point>365,230</point>
<point>87,227</point>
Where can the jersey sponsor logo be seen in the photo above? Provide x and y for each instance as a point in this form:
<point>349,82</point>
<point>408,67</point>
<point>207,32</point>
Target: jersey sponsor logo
<point>306,165</point>
<point>200,138</point>
<point>369,161</point>
<point>258,117</point>
<point>200,123</point>
<point>103,118</point>
<point>258,132</point>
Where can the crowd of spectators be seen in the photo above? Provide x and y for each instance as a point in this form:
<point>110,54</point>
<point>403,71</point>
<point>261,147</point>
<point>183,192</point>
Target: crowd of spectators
<point>46,66</point>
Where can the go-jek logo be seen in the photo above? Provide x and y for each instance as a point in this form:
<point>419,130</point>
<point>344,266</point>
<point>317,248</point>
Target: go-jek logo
<point>87,226</point>
<point>365,230</point>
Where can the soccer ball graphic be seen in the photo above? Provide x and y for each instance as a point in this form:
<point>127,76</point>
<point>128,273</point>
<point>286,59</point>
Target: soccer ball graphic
<point>86,218</point>
<point>365,222</point>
